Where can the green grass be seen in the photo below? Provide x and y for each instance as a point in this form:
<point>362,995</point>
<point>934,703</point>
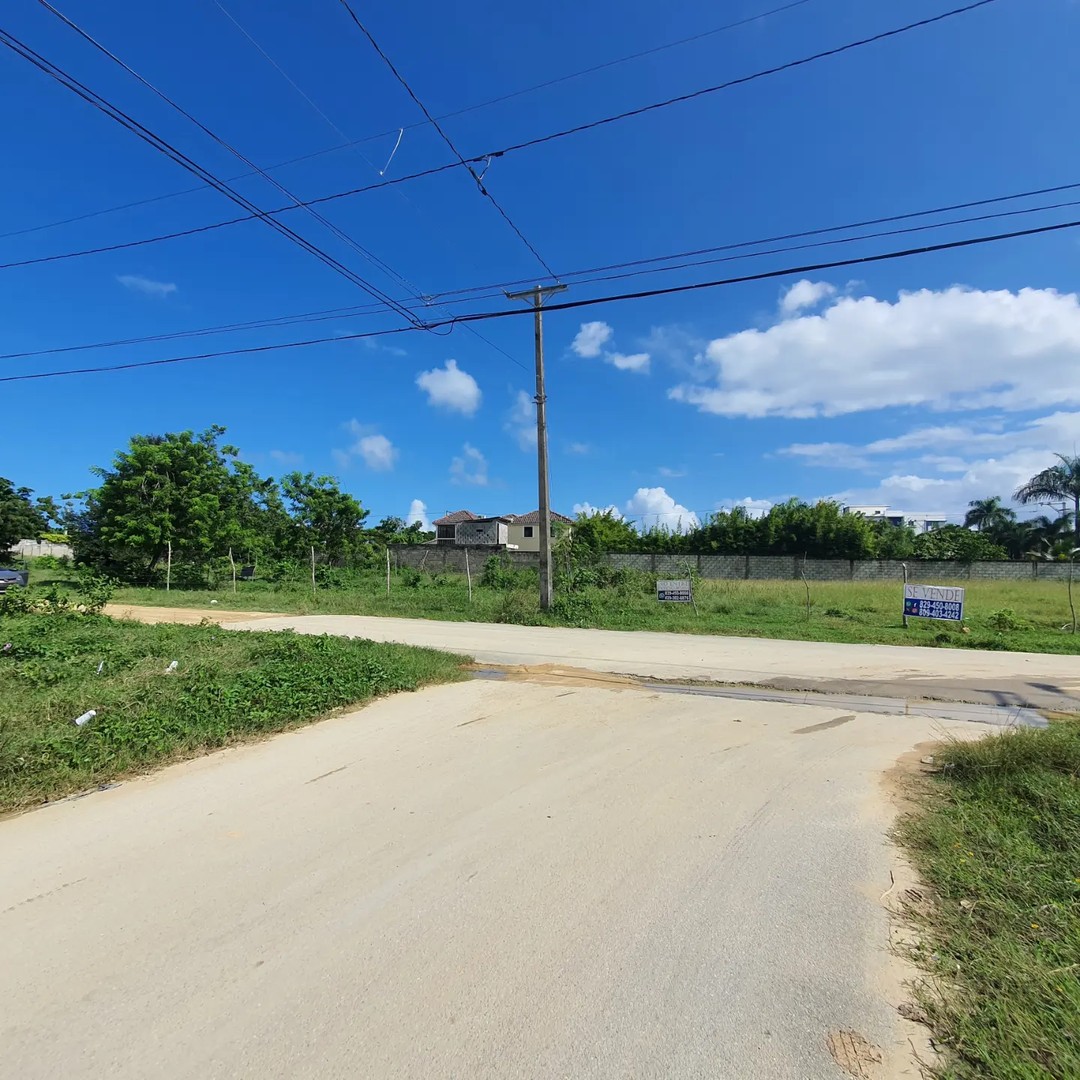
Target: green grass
<point>229,686</point>
<point>998,841</point>
<point>842,612</point>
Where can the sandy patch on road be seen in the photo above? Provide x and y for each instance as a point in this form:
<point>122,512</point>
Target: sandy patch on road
<point>185,615</point>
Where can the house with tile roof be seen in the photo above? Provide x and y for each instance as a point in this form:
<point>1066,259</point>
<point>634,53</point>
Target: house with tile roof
<point>519,532</point>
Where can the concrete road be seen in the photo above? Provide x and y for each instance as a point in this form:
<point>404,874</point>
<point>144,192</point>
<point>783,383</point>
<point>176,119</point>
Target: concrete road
<point>483,880</point>
<point>913,673</point>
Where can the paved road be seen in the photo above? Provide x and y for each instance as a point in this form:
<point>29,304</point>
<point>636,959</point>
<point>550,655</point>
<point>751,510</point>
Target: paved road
<point>913,673</point>
<point>483,880</point>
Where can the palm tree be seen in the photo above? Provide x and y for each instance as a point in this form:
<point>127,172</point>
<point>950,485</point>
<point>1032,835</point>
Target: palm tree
<point>983,513</point>
<point>1059,482</point>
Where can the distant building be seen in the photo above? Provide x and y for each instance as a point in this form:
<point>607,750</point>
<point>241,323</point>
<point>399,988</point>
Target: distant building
<point>920,522</point>
<point>519,532</point>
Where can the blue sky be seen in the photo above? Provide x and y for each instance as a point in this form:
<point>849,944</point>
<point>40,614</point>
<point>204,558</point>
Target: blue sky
<point>920,383</point>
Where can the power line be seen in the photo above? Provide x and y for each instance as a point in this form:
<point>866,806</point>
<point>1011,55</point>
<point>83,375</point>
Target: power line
<point>494,154</point>
<point>338,232</point>
<point>446,138</point>
<point>122,118</point>
<point>570,305</point>
<point>744,79</point>
<point>495,290</point>
<point>349,143</point>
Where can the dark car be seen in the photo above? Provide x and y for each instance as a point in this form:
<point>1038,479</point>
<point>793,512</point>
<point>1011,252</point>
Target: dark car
<point>8,578</point>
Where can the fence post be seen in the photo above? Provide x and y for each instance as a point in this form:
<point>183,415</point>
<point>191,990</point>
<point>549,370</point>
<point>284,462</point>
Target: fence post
<point>312,569</point>
<point>468,574</point>
<point>168,569</point>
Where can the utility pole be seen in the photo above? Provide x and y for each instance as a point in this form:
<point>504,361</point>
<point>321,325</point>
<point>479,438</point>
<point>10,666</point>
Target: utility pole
<point>536,297</point>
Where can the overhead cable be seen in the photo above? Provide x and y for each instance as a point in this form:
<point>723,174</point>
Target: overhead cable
<point>572,305</point>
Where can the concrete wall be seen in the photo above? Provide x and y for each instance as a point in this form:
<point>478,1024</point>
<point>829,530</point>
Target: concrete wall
<point>451,557</point>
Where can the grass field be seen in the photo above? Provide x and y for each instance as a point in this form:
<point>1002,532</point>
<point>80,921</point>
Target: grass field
<point>227,687</point>
<point>1024,616</point>
<point>998,842</point>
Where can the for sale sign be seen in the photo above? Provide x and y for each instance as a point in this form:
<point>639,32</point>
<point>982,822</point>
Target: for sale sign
<point>934,602</point>
<point>675,592</point>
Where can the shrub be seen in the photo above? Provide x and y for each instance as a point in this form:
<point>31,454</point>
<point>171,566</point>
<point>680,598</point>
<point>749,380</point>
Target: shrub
<point>1006,619</point>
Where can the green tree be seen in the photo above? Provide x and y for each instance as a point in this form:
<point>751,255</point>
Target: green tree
<point>595,534</point>
<point>1058,484</point>
<point>893,541</point>
<point>323,516</point>
<point>956,543</point>
<point>20,517</point>
<point>985,515</point>
<point>178,489</point>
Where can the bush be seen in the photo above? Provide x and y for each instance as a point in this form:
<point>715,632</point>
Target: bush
<point>575,608</point>
<point>517,606</point>
<point>1006,619</point>
<point>500,573</point>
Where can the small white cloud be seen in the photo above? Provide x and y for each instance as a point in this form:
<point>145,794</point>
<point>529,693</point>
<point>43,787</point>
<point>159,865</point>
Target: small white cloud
<point>470,468</point>
<point>591,338</point>
<point>378,452</point>
<point>638,362</point>
<point>450,388</point>
<point>589,344</point>
<point>578,448</point>
<point>146,286</point>
<point>671,474</point>
<point>654,506</point>
<point>588,510</point>
<point>418,513</point>
<point>805,294</point>
<point>286,457</point>
<point>521,421</point>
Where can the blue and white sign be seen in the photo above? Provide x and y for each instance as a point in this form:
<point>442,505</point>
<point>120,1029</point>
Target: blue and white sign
<point>934,602</point>
<point>675,592</point>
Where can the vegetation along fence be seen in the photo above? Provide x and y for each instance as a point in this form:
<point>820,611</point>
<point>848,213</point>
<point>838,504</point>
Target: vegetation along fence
<point>443,558</point>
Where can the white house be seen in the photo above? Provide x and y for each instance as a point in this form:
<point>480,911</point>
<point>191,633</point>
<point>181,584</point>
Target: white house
<point>920,522</point>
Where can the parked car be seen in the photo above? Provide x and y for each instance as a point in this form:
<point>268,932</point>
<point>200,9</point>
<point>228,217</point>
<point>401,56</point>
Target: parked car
<point>10,578</point>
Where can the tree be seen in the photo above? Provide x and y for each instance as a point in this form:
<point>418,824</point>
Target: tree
<point>956,543</point>
<point>597,533</point>
<point>1058,484</point>
<point>984,515</point>
<point>20,517</point>
<point>178,489</point>
<point>323,516</point>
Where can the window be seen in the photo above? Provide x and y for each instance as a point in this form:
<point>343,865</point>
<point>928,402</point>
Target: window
<point>445,532</point>
<point>528,530</point>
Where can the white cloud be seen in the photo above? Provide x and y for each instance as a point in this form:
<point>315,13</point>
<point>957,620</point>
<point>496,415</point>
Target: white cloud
<point>941,468</point>
<point>147,286</point>
<point>588,510</point>
<point>578,448</point>
<point>418,512</point>
<point>954,349</point>
<point>470,468</point>
<point>451,388</point>
<point>589,344</point>
<point>286,457</point>
<point>637,362</point>
<point>521,421</point>
<point>805,294</point>
<point>378,452</point>
<point>654,506</point>
<point>591,338</point>
<point>671,474</point>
